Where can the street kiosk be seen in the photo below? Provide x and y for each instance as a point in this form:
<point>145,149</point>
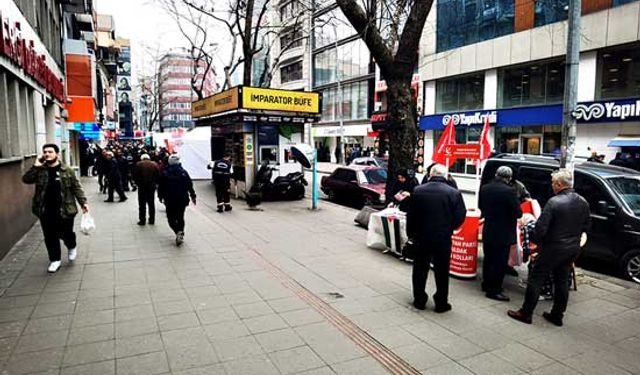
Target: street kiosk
<point>257,125</point>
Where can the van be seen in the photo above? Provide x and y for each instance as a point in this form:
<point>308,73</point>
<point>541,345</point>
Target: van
<point>613,194</point>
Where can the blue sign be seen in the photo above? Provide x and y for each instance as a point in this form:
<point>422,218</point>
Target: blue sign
<point>86,127</point>
<point>608,111</point>
<point>586,113</point>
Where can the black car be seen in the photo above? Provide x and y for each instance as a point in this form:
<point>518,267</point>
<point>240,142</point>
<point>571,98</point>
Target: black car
<point>613,194</point>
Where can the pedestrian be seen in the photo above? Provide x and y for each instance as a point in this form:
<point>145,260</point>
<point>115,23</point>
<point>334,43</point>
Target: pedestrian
<point>402,189</point>
<point>174,190</point>
<point>558,234</point>
<point>112,171</point>
<point>101,167</point>
<point>595,158</point>
<point>435,210</point>
<point>500,209</point>
<point>146,175</point>
<point>222,172</point>
<point>54,203</point>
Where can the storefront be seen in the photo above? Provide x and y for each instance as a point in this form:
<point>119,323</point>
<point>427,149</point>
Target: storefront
<point>327,140</point>
<point>536,130</point>
<point>257,125</point>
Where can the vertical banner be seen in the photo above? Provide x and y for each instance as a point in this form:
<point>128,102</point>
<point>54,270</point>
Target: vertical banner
<point>249,150</point>
<point>123,87</point>
<point>464,247</point>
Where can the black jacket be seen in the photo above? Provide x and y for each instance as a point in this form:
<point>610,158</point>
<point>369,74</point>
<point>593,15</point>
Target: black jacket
<point>435,211</point>
<point>500,208</point>
<point>175,186</point>
<point>409,185</point>
<point>222,171</point>
<point>562,222</point>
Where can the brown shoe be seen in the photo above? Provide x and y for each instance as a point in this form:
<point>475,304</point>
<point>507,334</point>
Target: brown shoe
<point>519,316</point>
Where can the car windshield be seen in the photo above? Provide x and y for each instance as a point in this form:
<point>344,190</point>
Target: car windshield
<point>628,188</point>
<point>376,176</point>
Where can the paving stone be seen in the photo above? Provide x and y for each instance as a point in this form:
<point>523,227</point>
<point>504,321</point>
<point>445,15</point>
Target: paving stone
<point>326,341</point>
<point>152,363</point>
<point>34,362</point>
<point>216,315</point>
<point>95,304</point>
<point>134,313</point>
<point>11,329</point>
<point>131,346</point>
<point>178,321</point>
<point>279,340</point>
<point>258,365</point>
<point>84,335</point>
<point>281,305</point>
<point>15,314</point>
<point>450,368</point>
<point>136,327</point>
<point>97,368</point>
<point>93,318</point>
<point>42,341</point>
<point>489,364</point>
<point>421,356</point>
<point>235,348</point>
<point>295,360</point>
<point>226,330</point>
<point>265,323</point>
<point>53,309</point>
<point>302,317</point>
<point>251,310</point>
<point>87,353</point>
<point>217,369</point>
<point>360,366</point>
<point>188,348</point>
<point>54,323</point>
<point>172,307</point>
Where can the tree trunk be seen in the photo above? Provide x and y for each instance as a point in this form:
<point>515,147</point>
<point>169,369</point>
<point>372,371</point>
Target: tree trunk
<point>402,129</point>
<point>247,48</point>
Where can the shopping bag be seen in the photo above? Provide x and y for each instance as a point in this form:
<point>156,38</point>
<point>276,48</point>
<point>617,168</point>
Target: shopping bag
<point>87,224</point>
<point>362,218</point>
<point>515,255</point>
<point>375,235</point>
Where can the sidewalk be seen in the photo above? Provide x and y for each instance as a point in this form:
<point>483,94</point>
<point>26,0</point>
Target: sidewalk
<point>282,291</point>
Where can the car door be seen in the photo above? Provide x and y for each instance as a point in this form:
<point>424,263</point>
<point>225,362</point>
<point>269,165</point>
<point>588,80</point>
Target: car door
<point>352,189</point>
<point>338,184</point>
<point>603,223</point>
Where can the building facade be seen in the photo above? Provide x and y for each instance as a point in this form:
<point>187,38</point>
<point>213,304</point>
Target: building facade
<point>506,60</point>
<point>175,91</point>
<point>31,103</point>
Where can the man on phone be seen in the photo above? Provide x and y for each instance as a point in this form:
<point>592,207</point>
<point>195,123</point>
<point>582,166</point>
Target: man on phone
<point>54,202</point>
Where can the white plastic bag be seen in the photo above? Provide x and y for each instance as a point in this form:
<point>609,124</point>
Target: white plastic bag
<point>87,224</point>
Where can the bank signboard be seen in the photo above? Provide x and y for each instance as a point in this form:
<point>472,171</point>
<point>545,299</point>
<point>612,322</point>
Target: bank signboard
<point>608,111</point>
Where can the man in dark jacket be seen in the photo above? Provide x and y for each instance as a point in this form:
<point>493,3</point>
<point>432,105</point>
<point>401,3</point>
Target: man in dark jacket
<point>114,178</point>
<point>54,202</point>
<point>145,176</point>
<point>435,211</point>
<point>500,209</point>
<point>558,231</point>
<point>222,171</point>
<point>402,189</point>
<point>174,189</point>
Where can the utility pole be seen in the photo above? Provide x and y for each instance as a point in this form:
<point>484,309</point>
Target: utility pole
<point>571,86</point>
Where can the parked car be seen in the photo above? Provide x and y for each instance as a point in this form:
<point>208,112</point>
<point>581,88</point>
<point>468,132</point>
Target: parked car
<point>370,161</point>
<point>613,194</point>
<point>356,185</point>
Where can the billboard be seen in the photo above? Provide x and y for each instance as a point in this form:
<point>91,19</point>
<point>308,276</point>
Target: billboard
<point>123,87</point>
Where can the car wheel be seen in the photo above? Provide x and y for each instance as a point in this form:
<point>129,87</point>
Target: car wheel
<point>630,265</point>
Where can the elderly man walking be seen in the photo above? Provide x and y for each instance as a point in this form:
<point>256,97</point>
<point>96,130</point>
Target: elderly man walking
<point>500,208</point>
<point>54,202</point>
<point>174,189</point>
<point>558,231</point>
<point>145,176</point>
<point>435,210</point>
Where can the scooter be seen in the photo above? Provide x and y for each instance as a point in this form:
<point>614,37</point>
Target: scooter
<point>289,187</point>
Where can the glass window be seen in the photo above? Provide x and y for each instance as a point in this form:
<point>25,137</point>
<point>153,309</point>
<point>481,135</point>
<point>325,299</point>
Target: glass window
<point>552,138</point>
<point>291,72</point>
<point>619,73</point>
<point>291,38</point>
<point>329,25</point>
<point>460,23</point>
<point>621,2</point>
<point>353,61</point>
<point>550,11</point>
<point>538,83</point>
<point>290,10</point>
<point>460,94</point>
<point>628,188</point>
<point>354,102</point>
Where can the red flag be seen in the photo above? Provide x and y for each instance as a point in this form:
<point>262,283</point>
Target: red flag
<point>485,146</point>
<point>448,138</point>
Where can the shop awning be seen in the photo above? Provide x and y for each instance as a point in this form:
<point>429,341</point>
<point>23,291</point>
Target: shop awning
<point>625,142</point>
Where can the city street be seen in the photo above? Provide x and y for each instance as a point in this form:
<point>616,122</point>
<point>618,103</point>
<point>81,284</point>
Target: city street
<point>279,291</point>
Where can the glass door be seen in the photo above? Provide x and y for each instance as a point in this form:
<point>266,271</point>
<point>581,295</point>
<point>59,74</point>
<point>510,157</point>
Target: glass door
<point>531,144</point>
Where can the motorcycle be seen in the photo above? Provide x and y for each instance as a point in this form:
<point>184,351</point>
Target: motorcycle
<point>289,187</point>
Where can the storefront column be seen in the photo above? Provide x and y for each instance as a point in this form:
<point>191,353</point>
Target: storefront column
<point>588,76</point>
<point>50,122</point>
<point>491,89</point>
<point>333,144</point>
<point>15,116</point>
<point>40,114</point>
<point>5,121</point>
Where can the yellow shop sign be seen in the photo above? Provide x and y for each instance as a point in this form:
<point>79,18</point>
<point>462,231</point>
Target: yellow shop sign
<point>280,100</point>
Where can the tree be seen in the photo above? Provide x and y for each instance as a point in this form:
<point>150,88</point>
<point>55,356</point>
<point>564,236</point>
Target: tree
<point>152,89</point>
<point>396,54</point>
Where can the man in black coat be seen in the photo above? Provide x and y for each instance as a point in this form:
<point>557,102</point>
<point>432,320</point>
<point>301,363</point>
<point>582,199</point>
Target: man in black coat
<point>114,178</point>
<point>222,172</point>
<point>174,189</point>
<point>558,233</point>
<point>500,209</point>
<point>435,211</point>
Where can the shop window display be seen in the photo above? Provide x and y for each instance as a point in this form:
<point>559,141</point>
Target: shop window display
<point>460,93</point>
<point>533,84</point>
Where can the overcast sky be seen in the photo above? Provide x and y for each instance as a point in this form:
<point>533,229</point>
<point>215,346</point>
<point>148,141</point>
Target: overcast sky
<point>145,23</point>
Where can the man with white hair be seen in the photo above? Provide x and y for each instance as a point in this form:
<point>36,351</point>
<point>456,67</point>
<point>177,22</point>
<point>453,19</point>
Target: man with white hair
<point>500,209</point>
<point>435,210</point>
<point>145,175</point>
<point>564,219</point>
